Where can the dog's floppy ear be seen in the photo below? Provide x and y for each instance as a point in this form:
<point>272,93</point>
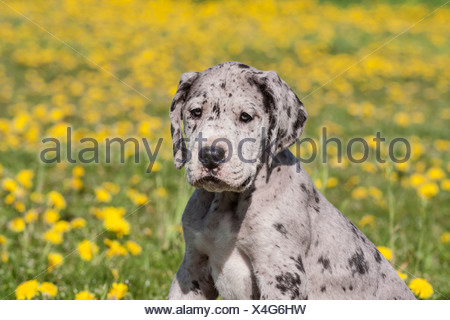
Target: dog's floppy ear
<point>176,116</point>
<point>287,116</point>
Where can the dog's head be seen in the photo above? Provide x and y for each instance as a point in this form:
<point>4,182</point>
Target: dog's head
<point>235,119</point>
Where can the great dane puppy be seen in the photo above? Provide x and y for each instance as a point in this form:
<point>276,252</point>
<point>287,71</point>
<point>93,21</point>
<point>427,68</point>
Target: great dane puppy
<point>256,227</point>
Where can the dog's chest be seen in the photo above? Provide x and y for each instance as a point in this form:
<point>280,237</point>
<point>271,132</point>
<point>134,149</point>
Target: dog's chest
<point>230,267</point>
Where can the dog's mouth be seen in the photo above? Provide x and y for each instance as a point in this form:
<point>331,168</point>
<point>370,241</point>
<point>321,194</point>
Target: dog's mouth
<point>212,183</point>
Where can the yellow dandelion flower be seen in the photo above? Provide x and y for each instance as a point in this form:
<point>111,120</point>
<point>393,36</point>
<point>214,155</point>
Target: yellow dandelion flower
<point>332,182</point>
<point>19,206</point>
<point>445,237</point>
<point>117,291</point>
<point>36,197</point>
<point>367,220</point>
<point>31,216</point>
<point>161,192</point>
<point>48,288</point>
<point>421,288</point>
<point>135,179</point>
<point>25,178</point>
<point>53,237</point>
<point>436,173</point>
<point>117,225</point>
<point>428,190</point>
<point>115,248</point>
<point>115,273</point>
<point>78,171</point>
<point>3,240</point>
<point>61,226</point>
<point>56,200</point>
<point>77,183</point>
<point>442,145</point>
<point>402,119</point>
<point>78,223</point>
<point>420,167</point>
<point>27,290</point>
<point>445,184</point>
<point>87,250</point>
<point>359,193</point>
<point>9,199</point>
<point>133,248</point>
<point>386,252</point>
<point>17,225</point>
<point>54,261</point>
<point>51,216</point>
<point>4,256</point>
<point>402,275</point>
<point>417,179</point>
<point>156,166</point>
<point>9,185</point>
<point>369,167</point>
<point>375,193</point>
<point>402,166</point>
<point>84,295</point>
<point>318,183</point>
<point>136,197</point>
<point>111,187</point>
<point>102,195</point>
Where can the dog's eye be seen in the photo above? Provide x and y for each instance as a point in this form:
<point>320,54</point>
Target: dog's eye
<point>196,113</point>
<point>245,117</point>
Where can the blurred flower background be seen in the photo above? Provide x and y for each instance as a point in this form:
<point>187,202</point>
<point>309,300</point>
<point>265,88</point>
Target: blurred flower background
<point>110,68</point>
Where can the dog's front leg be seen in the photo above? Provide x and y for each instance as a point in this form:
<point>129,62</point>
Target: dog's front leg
<point>277,253</point>
<point>193,280</point>
<point>280,278</point>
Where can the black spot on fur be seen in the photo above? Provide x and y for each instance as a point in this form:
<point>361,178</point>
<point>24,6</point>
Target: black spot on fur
<point>301,118</point>
<point>343,288</point>
<point>316,196</point>
<point>216,110</point>
<point>323,288</point>
<point>316,208</point>
<point>280,228</point>
<point>222,85</point>
<point>288,111</point>
<point>383,275</point>
<point>243,66</point>
<point>351,288</point>
<point>304,188</point>
<point>230,95</point>
<point>324,261</point>
<point>282,133</point>
<point>354,228</point>
<point>289,283</point>
<point>195,287</point>
<point>298,263</point>
<point>377,256</point>
<point>358,263</point>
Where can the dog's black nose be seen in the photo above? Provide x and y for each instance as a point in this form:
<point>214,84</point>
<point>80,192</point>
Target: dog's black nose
<point>211,157</point>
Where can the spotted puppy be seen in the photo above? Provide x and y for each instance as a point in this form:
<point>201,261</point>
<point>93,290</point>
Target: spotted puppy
<point>256,227</point>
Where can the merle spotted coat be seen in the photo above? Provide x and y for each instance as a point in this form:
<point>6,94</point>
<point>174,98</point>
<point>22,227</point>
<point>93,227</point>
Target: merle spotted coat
<point>261,230</point>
